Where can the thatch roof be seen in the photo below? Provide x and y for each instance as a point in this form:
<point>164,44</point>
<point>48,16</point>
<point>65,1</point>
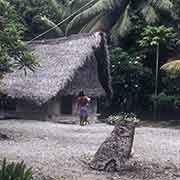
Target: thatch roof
<point>59,60</point>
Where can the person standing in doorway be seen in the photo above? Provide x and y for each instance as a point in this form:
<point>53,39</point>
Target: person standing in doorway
<point>83,108</point>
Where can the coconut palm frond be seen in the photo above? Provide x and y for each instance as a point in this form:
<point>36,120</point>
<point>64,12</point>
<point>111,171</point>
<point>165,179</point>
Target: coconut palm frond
<point>97,16</point>
<point>88,26</point>
<point>73,6</point>
<point>149,13</point>
<point>123,26</point>
<point>41,24</point>
<point>77,4</point>
<point>101,6</point>
<point>172,67</point>
<point>84,17</point>
<point>103,22</point>
<point>58,8</point>
<point>163,6</point>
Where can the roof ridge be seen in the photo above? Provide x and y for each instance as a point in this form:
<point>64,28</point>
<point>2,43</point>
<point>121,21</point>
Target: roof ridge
<point>62,39</point>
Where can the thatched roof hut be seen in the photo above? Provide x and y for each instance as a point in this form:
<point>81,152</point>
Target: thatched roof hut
<point>59,60</point>
<point>67,65</point>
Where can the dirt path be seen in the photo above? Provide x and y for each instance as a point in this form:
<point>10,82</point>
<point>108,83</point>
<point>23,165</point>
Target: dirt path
<point>59,150</point>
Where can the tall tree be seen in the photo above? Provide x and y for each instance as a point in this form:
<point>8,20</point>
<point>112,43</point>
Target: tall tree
<point>157,37</point>
<point>13,51</point>
<point>115,16</point>
<point>39,16</point>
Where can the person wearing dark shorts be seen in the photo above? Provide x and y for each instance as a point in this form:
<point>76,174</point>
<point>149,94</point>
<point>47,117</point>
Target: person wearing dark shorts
<point>83,108</point>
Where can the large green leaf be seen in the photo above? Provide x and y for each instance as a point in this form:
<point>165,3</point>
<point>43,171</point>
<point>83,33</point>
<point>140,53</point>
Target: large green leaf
<point>165,5</point>
<point>105,6</point>
<point>123,26</point>
<point>41,24</point>
<point>103,22</point>
<point>108,15</point>
<point>148,12</point>
<point>93,17</point>
<point>88,27</point>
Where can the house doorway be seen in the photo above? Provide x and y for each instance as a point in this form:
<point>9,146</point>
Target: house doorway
<point>7,104</point>
<point>66,104</point>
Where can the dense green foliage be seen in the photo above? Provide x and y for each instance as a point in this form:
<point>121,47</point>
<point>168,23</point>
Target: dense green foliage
<point>177,6</point>
<point>113,16</point>
<point>38,16</point>
<point>133,69</point>
<point>134,27</point>
<point>116,16</point>
<point>15,171</point>
<point>131,81</point>
<point>162,36</point>
<point>13,52</point>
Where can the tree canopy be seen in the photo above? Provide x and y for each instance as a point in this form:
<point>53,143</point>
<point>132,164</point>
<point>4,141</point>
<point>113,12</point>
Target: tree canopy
<point>116,17</point>
<point>133,28</point>
<point>13,51</point>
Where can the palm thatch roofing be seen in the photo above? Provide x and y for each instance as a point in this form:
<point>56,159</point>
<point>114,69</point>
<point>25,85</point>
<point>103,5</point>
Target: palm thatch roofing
<point>59,60</point>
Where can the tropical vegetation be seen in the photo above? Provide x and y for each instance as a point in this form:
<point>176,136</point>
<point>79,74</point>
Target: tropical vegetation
<point>134,29</point>
<point>113,16</point>
<point>13,51</point>
<point>15,171</point>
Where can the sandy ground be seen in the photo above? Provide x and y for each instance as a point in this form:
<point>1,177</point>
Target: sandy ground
<point>63,151</point>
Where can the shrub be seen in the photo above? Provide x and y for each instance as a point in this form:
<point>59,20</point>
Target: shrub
<point>122,117</point>
<point>15,171</point>
<point>164,99</point>
<point>167,100</point>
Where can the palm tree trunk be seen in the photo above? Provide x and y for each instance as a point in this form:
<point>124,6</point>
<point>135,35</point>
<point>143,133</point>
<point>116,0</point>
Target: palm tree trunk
<point>156,83</point>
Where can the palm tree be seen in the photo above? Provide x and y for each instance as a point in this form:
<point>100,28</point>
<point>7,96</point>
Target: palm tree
<point>114,16</point>
<point>40,15</point>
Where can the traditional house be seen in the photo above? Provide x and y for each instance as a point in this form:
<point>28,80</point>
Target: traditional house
<point>67,65</point>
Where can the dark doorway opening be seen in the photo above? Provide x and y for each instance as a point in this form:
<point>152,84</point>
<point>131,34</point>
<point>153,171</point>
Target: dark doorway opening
<point>66,105</point>
<point>7,104</point>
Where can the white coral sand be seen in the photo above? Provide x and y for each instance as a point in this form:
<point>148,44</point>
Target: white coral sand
<point>60,150</point>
